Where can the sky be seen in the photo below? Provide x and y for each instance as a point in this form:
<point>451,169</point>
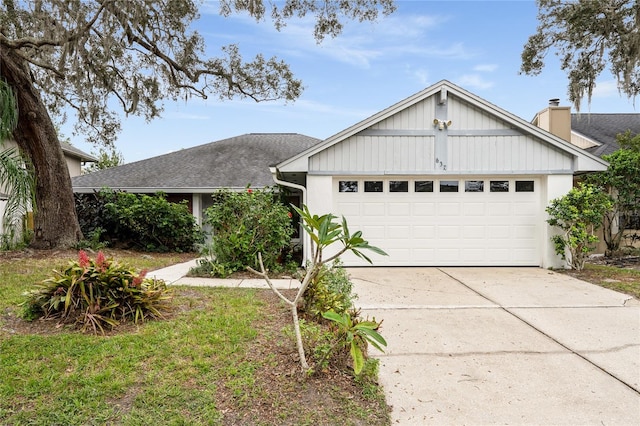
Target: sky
<point>369,67</point>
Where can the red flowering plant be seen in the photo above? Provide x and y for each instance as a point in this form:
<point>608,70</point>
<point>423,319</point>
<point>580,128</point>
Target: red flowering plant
<point>95,294</point>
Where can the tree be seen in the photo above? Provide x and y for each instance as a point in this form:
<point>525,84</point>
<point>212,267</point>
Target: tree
<point>587,35</point>
<point>578,214</point>
<point>79,56</point>
<point>621,180</point>
<point>323,231</point>
<point>107,157</point>
<point>626,140</point>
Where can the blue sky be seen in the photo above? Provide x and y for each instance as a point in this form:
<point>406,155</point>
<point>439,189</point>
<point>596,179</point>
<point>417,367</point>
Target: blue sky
<point>371,66</point>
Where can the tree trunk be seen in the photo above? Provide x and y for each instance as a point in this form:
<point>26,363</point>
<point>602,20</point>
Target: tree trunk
<point>55,221</point>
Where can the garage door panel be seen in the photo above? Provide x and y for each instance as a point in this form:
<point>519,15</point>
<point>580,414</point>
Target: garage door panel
<point>433,228</point>
<point>399,209</point>
<point>424,231</point>
<point>449,209</point>
<point>474,232</point>
<point>373,209</point>
<point>524,209</point>
<point>495,232</point>
<point>423,209</point>
<point>473,255</point>
<point>349,209</point>
<point>499,209</point>
<point>373,232</point>
<point>473,209</point>
<point>523,255</point>
<point>398,231</point>
<point>448,232</point>
<point>447,255</point>
<point>524,232</point>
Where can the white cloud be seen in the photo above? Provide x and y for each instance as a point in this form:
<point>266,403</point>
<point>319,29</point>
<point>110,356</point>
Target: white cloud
<point>485,67</point>
<point>421,75</point>
<point>474,81</point>
<point>185,116</point>
<point>606,89</point>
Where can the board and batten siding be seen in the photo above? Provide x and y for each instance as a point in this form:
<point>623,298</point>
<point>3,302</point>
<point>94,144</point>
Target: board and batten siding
<point>505,154</point>
<point>400,154</point>
<point>407,141</point>
<point>416,117</point>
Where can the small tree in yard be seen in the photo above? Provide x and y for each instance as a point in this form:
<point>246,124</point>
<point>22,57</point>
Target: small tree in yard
<point>578,214</point>
<point>244,224</point>
<point>622,181</point>
<point>323,231</point>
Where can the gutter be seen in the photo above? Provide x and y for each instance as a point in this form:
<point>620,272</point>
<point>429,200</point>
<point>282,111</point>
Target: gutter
<point>306,241</point>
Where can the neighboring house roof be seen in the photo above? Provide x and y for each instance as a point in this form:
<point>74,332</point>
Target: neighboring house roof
<point>228,163</point>
<point>585,161</point>
<point>603,128</point>
<point>71,151</point>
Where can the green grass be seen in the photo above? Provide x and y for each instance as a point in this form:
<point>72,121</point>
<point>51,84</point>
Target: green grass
<point>208,364</point>
<point>620,279</point>
<point>165,372</point>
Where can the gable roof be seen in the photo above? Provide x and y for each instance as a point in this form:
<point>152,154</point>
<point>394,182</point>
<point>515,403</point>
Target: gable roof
<point>71,151</point>
<point>603,128</point>
<point>585,161</point>
<point>229,163</point>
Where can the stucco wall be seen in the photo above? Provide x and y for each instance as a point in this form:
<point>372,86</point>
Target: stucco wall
<point>556,186</point>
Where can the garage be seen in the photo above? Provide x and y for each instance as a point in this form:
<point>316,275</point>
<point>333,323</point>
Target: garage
<point>425,221</point>
<point>444,178</point>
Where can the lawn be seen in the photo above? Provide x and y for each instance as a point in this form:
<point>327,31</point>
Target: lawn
<point>220,358</point>
<point>624,278</point>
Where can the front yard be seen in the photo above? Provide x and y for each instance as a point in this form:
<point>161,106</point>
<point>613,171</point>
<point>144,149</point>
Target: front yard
<point>621,275</point>
<point>220,358</point>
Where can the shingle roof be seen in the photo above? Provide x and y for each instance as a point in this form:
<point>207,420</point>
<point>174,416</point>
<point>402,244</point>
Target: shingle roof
<point>71,150</point>
<point>228,163</point>
<point>603,129</point>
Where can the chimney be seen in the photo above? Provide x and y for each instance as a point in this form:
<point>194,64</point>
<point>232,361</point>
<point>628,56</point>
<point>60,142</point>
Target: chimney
<point>555,119</point>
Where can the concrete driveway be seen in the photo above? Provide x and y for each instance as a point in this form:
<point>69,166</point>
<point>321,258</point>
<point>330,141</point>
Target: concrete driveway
<point>471,346</point>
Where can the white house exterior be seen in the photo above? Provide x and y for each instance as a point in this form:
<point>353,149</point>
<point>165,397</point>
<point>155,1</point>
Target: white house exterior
<point>74,157</point>
<point>443,178</point>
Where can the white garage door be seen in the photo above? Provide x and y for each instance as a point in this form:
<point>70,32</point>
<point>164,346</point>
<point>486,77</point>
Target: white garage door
<point>450,221</point>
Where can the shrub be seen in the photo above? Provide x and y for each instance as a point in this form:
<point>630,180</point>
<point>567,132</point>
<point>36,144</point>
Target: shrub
<point>355,334</point>
<point>329,291</point>
<point>578,214</point>
<point>247,223</point>
<point>96,294</point>
<point>144,222</point>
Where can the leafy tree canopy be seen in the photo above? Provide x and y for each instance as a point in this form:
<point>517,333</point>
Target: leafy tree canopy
<point>107,158</point>
<point>81,54</point>
<point>586,36</point>
<point>90,56</point>
<point>628,141</point>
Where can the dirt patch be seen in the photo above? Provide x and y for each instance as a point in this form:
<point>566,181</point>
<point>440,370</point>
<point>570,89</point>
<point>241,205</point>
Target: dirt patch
<point>283,394</point>
<point>626,262</point>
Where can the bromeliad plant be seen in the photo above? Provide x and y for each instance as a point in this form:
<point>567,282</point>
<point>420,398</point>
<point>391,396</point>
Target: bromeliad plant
<point>324,231</point>
<point>96,294</point>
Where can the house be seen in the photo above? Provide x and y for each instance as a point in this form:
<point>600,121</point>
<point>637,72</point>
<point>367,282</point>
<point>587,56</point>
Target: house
<point>444,178</point>
<point>440,178</point>
<point>594,132</point>
<point>74,157</point>
<point>194,174</point>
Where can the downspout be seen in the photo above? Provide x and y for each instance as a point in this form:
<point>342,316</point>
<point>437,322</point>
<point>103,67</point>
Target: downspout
<point>306,242</point>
